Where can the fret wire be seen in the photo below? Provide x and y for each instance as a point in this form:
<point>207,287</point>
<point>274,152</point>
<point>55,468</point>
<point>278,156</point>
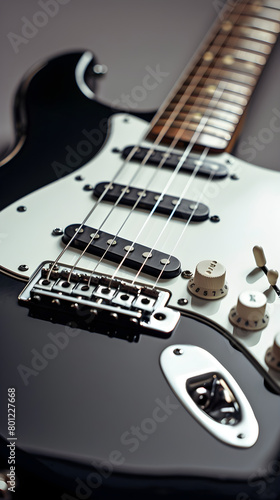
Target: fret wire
<point>248,44</point>
<point>253,33</point>
<point>267,3</point>
<point>215,121</point>
<point>236,88</point>
<point>258,23</point>
<point>265,12</point>
<point>229,118</point>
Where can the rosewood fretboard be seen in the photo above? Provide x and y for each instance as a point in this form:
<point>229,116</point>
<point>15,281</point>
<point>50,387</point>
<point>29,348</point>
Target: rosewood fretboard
<point>208,102</point>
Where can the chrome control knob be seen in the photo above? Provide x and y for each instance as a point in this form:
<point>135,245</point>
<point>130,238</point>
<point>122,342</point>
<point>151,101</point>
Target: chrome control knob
<point>209,281</point>
<point>272,356</point>
<point>250,311</point>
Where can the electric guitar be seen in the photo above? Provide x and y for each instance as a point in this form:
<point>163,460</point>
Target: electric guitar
<point>140,342</point>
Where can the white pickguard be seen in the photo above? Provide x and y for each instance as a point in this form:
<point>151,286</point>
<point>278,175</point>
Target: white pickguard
<point>249,214</point>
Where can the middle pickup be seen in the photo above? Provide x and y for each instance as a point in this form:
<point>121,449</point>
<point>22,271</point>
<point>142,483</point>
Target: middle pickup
<point>148,199</point>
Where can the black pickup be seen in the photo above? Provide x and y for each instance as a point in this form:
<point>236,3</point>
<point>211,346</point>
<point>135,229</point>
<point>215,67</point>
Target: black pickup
<point>208,167</point>
<point>148,199</point>
<point>116,248</point>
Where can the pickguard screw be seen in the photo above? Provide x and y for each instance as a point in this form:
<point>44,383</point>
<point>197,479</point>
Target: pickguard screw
<point>182,302</point>
<point>234,177</point>
<point>116,150</point>
<point>186,274</point>
<point>23,267</point>
<point>79,178</point>
<point>215,218</point>
<point>178,352</point>
<point>57,231</point>
<point>88,187</point>
<point>22,208</point>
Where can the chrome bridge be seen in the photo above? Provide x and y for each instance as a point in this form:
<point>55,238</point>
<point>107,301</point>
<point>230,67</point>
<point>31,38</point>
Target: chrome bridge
<point>98,303</point>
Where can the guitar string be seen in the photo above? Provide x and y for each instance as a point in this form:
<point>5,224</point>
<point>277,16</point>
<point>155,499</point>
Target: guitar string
<point>184,156</point>
<point>100,199</point>
<point>97,231</point>
<point>201,160</point>
<point>182,233</point>
<point>143,192</point>
<point>174,209</point>
<point>96,204</point>
<point>186,153</point>
<point>209,180</point>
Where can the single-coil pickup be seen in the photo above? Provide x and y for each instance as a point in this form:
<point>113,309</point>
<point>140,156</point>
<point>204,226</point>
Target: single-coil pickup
<point>208,167</point>
<point>147,200</point>
<point>154,263</point>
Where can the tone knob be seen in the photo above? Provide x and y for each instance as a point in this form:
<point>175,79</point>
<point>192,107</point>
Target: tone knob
<point>209,280</point>
<point>249,313</point>
<point>272,357</point>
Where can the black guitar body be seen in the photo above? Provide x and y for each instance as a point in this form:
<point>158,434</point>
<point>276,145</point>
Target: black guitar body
<point>94,412</point>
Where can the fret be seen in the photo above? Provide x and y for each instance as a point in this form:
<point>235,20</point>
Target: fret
<point>220,103</point>
<point>256,22</point>
<point>237,65</point>
<point>255,34</point>
<point>243,55</point>
<point>222,94</point>
<point>223,74</point>
<point>196,117</point>
<point>229,86</point>
<point>213,142</point>
<point>244,43</point>
<point>263,12</point>
<point>273,4</point>
<point>192,126</point>
<point>231,75</point>
<point>201,110</point>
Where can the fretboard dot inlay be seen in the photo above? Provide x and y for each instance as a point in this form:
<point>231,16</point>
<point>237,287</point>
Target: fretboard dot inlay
<point>208,56</point>
<point>211,89</point>
<point>228,60</point>
<point>227,26</point>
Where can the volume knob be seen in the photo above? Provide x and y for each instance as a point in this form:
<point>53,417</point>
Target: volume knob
<point>209,280</point>
<point>272,357</point>
<point>249,313</point>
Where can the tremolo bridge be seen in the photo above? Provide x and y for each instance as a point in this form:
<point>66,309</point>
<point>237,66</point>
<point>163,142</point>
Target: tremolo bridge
<point>98,303</point>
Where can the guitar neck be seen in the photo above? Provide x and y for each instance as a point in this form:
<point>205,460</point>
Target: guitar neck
<point>209,100</point>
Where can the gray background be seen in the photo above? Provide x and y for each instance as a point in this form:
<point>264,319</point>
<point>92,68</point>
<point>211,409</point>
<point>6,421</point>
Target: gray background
<point>128,35</point>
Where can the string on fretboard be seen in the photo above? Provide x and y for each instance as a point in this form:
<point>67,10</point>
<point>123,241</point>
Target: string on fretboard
<point>234,57</point>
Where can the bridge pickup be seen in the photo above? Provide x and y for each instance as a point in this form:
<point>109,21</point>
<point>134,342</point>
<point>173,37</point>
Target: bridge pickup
<point>186,208</point>
<point>156,261</point>
<point>208,167</point>
<point>98,303</point>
